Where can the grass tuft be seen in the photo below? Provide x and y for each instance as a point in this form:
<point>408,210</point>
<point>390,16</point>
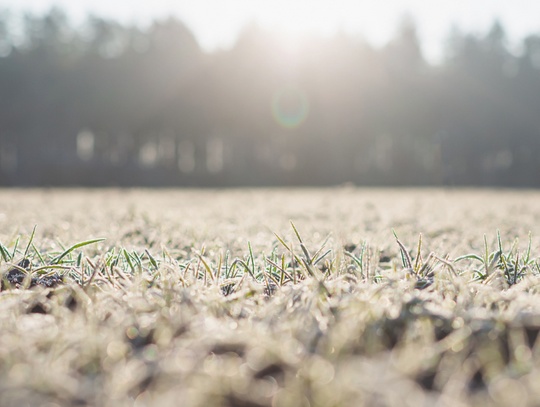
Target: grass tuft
<point>333,326</point>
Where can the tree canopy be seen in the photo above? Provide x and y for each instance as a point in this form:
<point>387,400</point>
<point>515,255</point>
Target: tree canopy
<point>110,104</point>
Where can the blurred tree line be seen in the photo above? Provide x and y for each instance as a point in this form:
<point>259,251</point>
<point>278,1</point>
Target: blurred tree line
<point>108,104</point>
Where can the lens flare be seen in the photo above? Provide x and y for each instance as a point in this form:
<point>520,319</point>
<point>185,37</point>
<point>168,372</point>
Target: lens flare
<point>290,107</point>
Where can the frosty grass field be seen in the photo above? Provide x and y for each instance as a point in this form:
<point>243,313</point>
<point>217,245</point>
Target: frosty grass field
<point>211,298</point>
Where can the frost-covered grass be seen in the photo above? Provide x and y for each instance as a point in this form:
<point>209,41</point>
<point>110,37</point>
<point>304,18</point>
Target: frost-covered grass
<point>207,298</point>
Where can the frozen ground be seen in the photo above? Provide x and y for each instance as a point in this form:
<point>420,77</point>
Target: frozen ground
<point>160,315</point>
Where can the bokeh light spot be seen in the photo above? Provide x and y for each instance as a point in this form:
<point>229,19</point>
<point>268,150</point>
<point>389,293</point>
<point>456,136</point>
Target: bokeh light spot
<point>290,107</point>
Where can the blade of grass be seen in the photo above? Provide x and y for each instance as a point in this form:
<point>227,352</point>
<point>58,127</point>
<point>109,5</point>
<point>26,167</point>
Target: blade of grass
<point>93,275</point>
<point>218,271</point>
<point>356,260</point>
<point>405,257</point>
<point>321,257</point>
<point>417,263</point>
<point>4,252</point>
<point>227,264</point>
<point>293,263</point>
<point>493,263</point>
<point>14,249</point>
<point>246,267</point>
<point>206,268</point>
<point>302,245</point>
<point>38,253</point>
<point>528,254</point>
<point>57,259</point>
<point>29,242</point>
<point>252,259</point>
<point>128,259</point>
<point>282,241</point>
<point>368,262</point>
<point>39,270</point>
<point>283,272</point>
<point>469,256</point>
<point>283,269</point>
<point>152,260</point>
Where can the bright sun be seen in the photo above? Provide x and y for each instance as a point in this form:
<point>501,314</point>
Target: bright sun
<point>300,16</point>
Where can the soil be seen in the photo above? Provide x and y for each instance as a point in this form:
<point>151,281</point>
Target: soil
<point>15,278</point>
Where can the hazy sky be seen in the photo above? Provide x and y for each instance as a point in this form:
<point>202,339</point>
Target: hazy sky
<point>216,23</point>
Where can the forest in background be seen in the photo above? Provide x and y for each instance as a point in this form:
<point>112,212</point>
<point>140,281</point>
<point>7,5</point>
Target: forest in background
<point>107,104</point>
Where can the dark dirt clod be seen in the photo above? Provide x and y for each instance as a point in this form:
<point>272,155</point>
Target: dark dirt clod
<point>144,384</point>
<point>477,382</point>
<point>232,400</point>
<point>50,281</point>
<point>71,303</point>
<point>140,340</point>
<point>222,348</point>
<point>426,379</point>
<point>532,334</point>
<point>37,309</point>
<point>15,278</point>
<point>275,370</point>
<point>443,331</point>
<point>270,290</point>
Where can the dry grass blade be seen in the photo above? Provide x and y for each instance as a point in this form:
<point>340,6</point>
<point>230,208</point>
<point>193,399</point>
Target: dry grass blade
<point>207,268</point>
<point>280,269</point>
<point>98,265</point>
<point>446,263</point>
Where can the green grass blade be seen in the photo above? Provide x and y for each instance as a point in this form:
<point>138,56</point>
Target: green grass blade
<point>57,259</point>
<point>14,249</point>
<point>152,260</point>
<point>226,264</point>
<point>135,256</point>
<point>494,262</point>
<point>282,242</point>
<point>356,260</point>
<point>251,257</point>
<point>79,260</point>
<point>38,253</point>
<point>470,257</point>
<point>110,258</point>
<point>296,232</point>
<point>528,255</point>
<point>302,245</point>
<point>41,270</point>
<point>62,246</point>
<point>4,252</point>
<point>322,246</point>
<point>322,256</point>
<point>246,267</point>
<point>29,242</point>
<point>405,257</point>
<point>127,256</point>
